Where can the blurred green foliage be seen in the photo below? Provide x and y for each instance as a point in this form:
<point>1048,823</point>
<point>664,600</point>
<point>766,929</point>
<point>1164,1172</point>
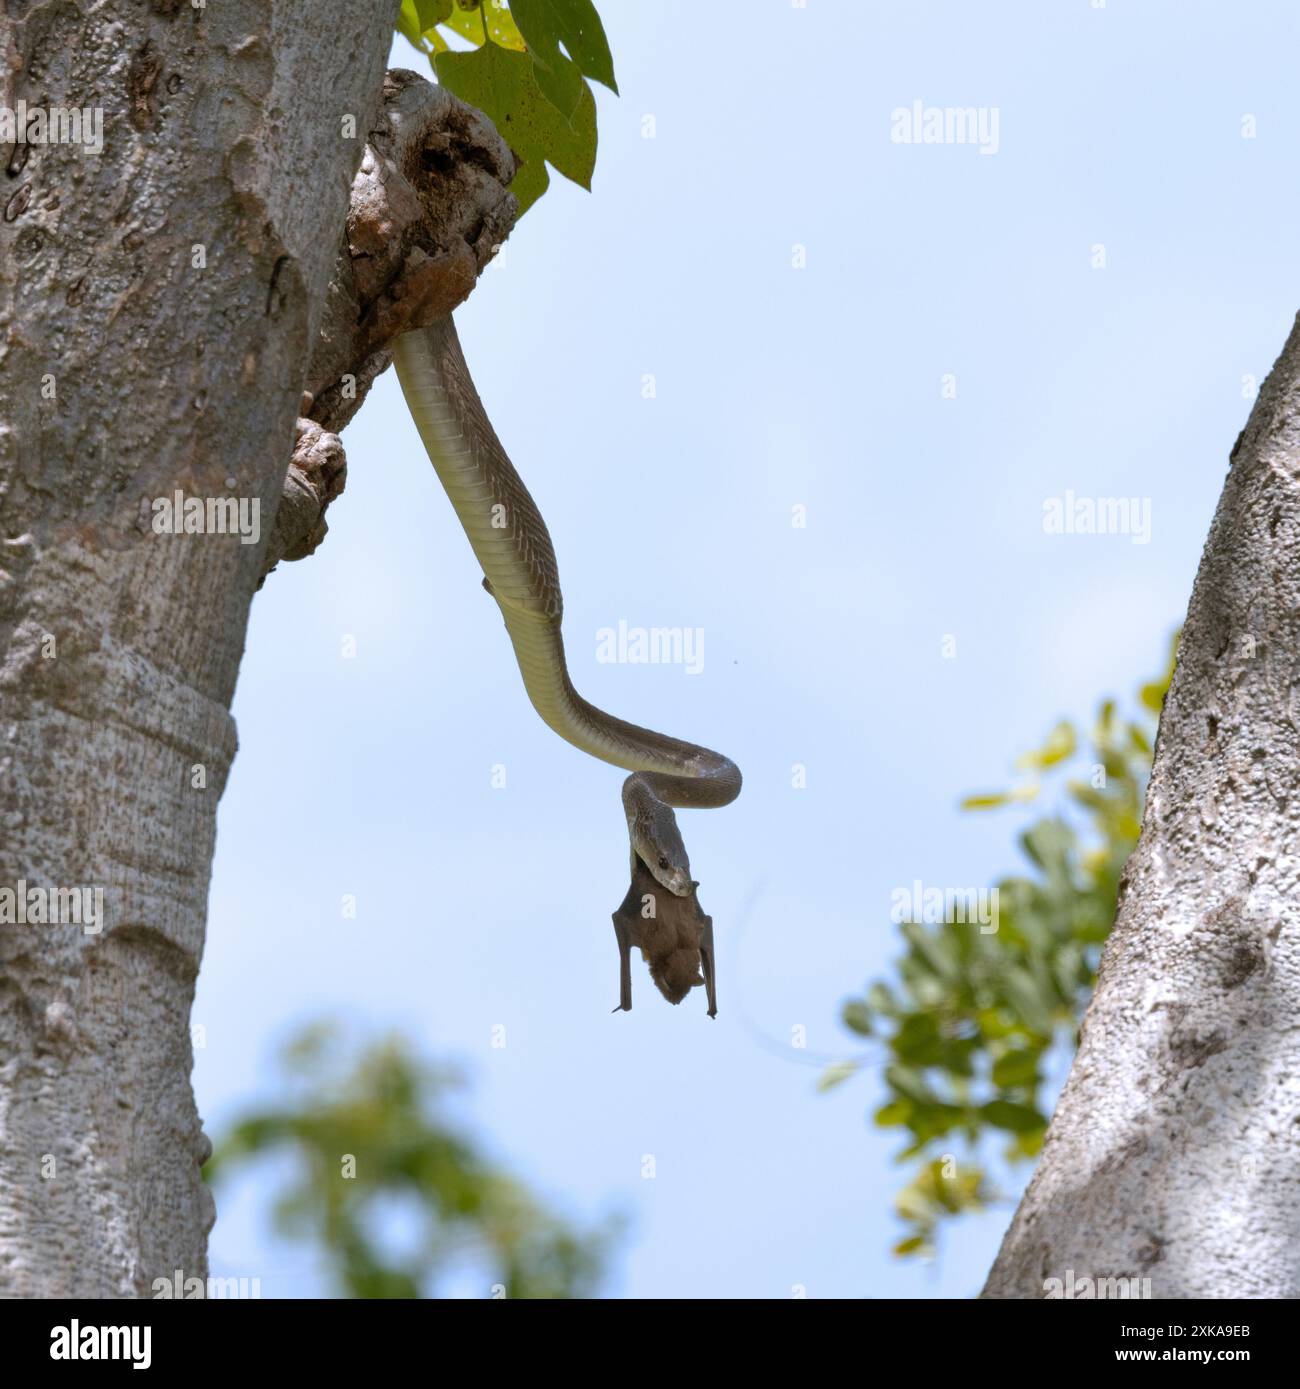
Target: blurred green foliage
<point>526,68</point>
<point>363,1126</point>
<point>967,1019</point>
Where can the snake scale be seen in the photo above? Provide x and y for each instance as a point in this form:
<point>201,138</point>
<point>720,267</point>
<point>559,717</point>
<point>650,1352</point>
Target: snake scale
<point>510,540</point>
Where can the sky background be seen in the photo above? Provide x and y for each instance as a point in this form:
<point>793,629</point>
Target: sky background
<point>775,387</point>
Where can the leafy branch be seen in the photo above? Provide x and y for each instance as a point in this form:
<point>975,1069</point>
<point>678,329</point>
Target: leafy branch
<point>527,71</point>
<point>363,1130</point>
<point>970,1019</point>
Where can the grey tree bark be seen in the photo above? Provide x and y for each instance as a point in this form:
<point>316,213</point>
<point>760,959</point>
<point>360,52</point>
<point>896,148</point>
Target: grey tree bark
<point>1174,1153</point>
<point>159,302</point>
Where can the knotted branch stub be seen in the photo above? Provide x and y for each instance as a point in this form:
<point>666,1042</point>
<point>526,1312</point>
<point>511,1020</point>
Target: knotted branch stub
<point>430,207</point>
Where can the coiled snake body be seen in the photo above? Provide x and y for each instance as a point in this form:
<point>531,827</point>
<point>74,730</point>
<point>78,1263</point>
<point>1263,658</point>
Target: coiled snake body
<point>510,539</point>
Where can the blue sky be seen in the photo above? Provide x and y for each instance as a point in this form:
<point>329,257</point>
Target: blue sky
<point>774,387</point>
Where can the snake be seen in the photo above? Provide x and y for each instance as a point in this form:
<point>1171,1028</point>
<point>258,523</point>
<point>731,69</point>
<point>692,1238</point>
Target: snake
<point>509,538</point>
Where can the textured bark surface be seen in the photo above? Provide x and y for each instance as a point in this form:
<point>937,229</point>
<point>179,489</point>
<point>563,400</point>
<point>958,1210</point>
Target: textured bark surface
<point>429,208</point>
<point>128,370</point>
<point>1174,1153</point>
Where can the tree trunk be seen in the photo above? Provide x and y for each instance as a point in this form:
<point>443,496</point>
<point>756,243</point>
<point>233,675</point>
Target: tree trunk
<point>1174,1151</point>
<point>159,302</point>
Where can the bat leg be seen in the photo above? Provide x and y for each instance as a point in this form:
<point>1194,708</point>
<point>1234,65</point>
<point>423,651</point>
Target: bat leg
<point>624,965</point>
<point>709,961</point>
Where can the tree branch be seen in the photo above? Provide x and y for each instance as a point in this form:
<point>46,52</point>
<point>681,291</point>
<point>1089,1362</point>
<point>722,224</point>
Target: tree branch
<point>429,208</point>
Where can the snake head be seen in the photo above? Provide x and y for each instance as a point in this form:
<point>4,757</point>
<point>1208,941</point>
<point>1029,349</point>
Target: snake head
<point>668,863</point>
<point>657,842</point>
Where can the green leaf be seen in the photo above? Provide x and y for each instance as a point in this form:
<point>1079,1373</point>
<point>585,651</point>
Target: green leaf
<point>856,1016</point>
<point>409,26</point>
<point>896,1112</point>
<point>917,1041</point>
<point>1029,1144</point>
<point>910,1084</point>
<point>466,19</point>
<point>986,802</point>
<point>431,12</point>
<point>915,1202</point>
<point>1022,993</point>
<point>836,1074</point>
<point>1049,843</point>
<point>1087,794</point>
<point>1061,743</point>
<point>880,1000</point>
<point>1153,695</point>
<point>1014,1118</point>
<point>503,85</point>
<point>948,1194</point>
<point>548,24</point>
<point>914,1244</point>
<point>1070,970</point>
<point>1015,1068</point>
<point>1018,795</point>
<point>928,1121</point>
<point>529,183</point>
<point>958,1056</point>
<point>993,1024</point>
<point>931,946</point>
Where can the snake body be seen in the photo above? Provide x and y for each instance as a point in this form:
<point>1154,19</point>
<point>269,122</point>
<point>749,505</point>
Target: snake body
<point>510,539</point>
